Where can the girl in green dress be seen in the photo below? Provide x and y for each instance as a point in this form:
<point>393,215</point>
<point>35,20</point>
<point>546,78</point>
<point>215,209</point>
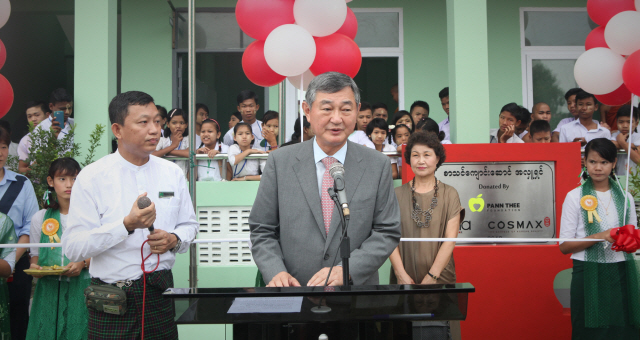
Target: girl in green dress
<point>58,310</point>
<point>7,263</point>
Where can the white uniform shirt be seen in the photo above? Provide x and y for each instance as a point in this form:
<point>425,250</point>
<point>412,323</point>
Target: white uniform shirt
<point>36,229</point>
<point>246,167</point>
<point>494,137</point>
<point>104,193</point>
<point>390,148</point>
<point>573,130</point>
<point>360,137</point>
<point>621,164</point>
<point>198,141</point>
<point>444,127</point>
<point>209,170</point>
<point>25,142</point>
<point>165,142</point>
<point>256,128</point>
<point>572,224</point>
<point>563,122</point>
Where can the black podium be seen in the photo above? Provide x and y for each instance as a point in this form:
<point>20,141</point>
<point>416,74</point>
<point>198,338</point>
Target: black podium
<point>353,312</point>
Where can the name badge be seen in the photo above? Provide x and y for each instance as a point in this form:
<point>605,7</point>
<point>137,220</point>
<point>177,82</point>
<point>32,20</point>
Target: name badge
<point>165,194</point>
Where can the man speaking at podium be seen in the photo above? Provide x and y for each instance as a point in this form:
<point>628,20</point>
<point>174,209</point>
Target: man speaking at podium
<point>295,226</point>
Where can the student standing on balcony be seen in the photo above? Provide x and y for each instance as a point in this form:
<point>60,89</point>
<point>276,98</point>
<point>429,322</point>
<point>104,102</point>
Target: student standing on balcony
<point>248,107</point>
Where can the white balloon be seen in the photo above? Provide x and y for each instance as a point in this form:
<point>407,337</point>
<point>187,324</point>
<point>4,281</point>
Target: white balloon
<point>622,33</point>
<point>637,5</point>
<point>289,50</point>
<point>5,11</point>
<point>320,17</point>
<point>599,70</point>
<point>306,78</point>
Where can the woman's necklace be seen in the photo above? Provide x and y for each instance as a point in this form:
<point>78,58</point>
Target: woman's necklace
<point>606,209</point>
<point>417,212</point>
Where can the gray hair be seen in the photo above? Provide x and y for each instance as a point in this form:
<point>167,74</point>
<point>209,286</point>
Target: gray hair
<point>331,82</point>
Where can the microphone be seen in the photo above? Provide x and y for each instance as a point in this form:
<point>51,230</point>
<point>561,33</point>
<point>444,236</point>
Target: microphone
<point>337,172</point>
<point>144,202</point>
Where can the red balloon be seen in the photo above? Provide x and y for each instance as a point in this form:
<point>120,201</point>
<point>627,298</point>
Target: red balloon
<point>618,97</point>
<point>596,39</point>
<point>3,54</point>
<point>6,96</point>
<point>350,26</point>
<point>256,68</point>
<point>601,11</point>
<point>257,18</point>
<point>336,53</point>
<point>631,73</point>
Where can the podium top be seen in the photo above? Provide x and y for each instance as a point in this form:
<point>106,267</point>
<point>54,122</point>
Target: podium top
<point>318,291</point>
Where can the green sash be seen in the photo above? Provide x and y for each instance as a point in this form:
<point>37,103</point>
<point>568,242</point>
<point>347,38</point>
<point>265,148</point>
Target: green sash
<point>607,303</point>
<point>7,236</point>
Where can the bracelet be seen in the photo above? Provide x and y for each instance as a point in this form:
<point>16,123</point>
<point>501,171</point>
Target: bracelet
<point>432,276</point>
<point>245,178</point>
<point>85,263</point>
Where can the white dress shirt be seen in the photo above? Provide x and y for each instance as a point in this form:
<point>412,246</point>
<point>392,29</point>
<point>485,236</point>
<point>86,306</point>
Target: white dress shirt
<point>256,128</point>
<point>319,155</point>
<point>209,170</point>
<point>25,142</point>
<point>573,130</point>
<point>621,164</point>
<point>390,148</point>
<point>246,167</point>
<point>494,137</point>
<point>104,193</point>
<point>36,229</point>
<point>444,127</point>
<point>563,122</point>
<point>360,137</point>
<point>165,142</point>
<point>572,224</point>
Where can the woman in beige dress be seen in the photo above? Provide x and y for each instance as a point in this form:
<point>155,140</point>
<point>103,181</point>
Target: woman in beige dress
<point>428,209</point>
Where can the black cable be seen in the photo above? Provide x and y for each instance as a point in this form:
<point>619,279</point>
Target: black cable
<point>334,197</point>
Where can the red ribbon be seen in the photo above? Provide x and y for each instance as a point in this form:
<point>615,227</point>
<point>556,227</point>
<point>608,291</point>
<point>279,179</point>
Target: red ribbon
<point>626,238</point>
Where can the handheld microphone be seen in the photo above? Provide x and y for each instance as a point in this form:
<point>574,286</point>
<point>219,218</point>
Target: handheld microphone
<point>337,172</point>
<point>144,202</point>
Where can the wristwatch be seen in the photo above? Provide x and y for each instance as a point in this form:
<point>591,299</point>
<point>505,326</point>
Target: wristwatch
<point>178,245</point>
<point>433,276</point>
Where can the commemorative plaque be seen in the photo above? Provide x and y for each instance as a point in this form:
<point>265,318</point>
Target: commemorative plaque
<point>504,199</point>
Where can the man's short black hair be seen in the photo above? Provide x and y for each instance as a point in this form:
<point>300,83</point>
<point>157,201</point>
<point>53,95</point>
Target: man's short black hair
<point>60,95</point>
<point>237,115</point>
<point>162,111</point>
<point>202,106</point>
<point>539,126</point>
<point>625,111</point>
<point>247,94</point>
<point>380,106</point>
<point>119,106</point>
<point>364,106</point>
<point>526,115</point>
<point>516,111</point>
<point>420,103</point>
<point>444,93</point>
<point>584,95</point>
<point>39,104</point>
<point>572,92</point>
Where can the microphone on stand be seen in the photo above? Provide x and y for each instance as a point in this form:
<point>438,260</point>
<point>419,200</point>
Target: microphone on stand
<point>144,202</point>
<point>337,172</point>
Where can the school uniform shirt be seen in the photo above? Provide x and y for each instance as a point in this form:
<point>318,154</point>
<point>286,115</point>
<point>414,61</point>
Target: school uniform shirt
<point>13,149</point>
<point>165,142</point>
<point>95,225</point>
<point>494,137</point>
<point>390,148</point>
<point>209,170</point>
<point>572,223</point>
<point>25,205</point>
<point>573,130</point>
<point>25,142</point>
<point>246,167</point>
<point>256,128</point>
<point>563,122</point>
<point>361,138</point>
<point>621,164</point>
<point>36,229</point>
<point>524,133</point>
<point>198,141</point>
<point>444,127</point>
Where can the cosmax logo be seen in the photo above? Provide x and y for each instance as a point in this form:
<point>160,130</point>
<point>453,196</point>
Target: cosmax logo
<point>476,201</point>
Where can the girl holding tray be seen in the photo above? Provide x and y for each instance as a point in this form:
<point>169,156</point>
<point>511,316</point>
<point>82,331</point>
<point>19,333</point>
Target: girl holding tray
<point>58,310</point>
<point>605,288</point>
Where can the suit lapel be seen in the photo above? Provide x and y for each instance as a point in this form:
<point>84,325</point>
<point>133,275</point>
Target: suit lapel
<point>305,171</point>
<point>353,170</point>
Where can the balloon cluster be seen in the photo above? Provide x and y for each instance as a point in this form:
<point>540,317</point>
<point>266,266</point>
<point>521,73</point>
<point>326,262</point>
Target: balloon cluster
<point>627,239</point>
<point>6,91</point>
<point>298,39</point>
<point>610,68</point>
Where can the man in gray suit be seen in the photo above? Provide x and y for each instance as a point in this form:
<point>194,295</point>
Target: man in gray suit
<point>295,227</point>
